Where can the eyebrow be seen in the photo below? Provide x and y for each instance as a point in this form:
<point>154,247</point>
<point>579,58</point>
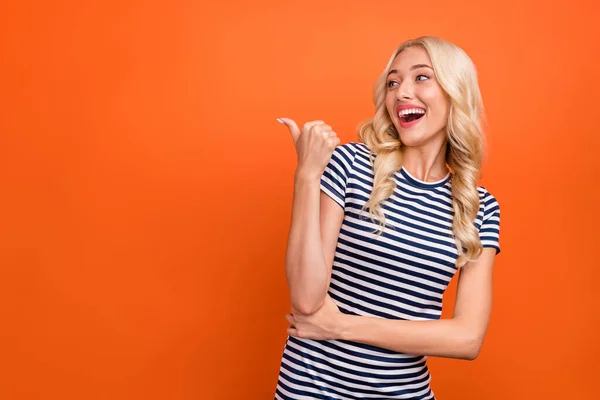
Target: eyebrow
<point>416,66</point>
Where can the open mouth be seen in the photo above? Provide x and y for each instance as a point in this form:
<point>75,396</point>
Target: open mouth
<point>409,117</point>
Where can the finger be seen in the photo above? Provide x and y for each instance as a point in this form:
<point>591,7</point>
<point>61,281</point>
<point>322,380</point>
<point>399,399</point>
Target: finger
<point>309,125</point>
<point>332,143</point>
<point>291,126</point>
<point>325,131</point>
<point>290,318</point>
<point>328,134</point>
<point>322,128</point>
<point>292,332</point>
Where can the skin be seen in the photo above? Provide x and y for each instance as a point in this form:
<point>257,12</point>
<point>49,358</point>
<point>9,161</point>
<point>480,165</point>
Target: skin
<point>412,81</point>
<point>308,262</point>
<point>309,254</point>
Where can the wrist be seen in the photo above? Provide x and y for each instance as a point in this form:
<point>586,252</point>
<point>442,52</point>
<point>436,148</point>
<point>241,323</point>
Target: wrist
<point>346,326</point>
<point>306,176</point>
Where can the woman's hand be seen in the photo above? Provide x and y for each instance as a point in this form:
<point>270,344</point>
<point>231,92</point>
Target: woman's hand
<point>325,324</point>
<point>314,146</point>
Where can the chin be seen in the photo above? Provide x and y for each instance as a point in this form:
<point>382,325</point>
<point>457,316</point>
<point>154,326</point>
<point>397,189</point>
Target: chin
<point>412,142</point>
<point>408,136</point>
<point>415,137</point>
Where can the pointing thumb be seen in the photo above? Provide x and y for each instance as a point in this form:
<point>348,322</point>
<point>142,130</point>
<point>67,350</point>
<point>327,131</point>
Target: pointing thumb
<point>291,126</point>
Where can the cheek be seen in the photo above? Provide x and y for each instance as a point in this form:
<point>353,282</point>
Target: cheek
<point>389,104</point>
<point>437,102</point>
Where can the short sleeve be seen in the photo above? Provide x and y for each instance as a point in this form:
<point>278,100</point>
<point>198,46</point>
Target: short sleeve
<point>489,233</point>
<point>335,177</point>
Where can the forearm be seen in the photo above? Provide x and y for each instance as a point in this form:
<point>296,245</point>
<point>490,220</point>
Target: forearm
<point>306,271</point>
<point>451,338</point>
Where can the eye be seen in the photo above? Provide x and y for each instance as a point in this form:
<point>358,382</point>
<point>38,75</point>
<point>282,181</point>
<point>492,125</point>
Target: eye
<point>421,75</point>
<point>389,84</point>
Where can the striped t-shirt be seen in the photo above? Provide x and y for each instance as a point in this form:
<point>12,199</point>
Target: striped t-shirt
<point>399,275</point>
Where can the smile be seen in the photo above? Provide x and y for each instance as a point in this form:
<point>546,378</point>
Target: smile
<point>410,116</point>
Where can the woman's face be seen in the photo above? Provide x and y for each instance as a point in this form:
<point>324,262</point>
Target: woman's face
<point>416,102</point>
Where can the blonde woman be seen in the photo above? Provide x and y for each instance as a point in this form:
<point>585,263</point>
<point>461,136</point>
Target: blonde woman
<point>379,228</point>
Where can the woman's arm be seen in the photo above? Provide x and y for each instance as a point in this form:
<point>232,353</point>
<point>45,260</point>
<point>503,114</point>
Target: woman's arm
<point>316,218</point>
<point>316,222</point>
<point>458,337</point>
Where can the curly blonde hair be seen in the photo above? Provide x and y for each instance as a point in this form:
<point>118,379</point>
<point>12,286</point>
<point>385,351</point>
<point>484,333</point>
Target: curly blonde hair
<point>457,76</point>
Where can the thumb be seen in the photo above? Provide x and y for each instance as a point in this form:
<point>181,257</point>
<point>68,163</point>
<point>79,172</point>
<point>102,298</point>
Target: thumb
<point>291,126</point>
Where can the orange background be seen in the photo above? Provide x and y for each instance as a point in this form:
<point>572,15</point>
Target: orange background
<point>146,188</point>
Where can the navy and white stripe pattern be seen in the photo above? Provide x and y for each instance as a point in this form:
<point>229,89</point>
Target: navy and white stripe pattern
<point>400,275</point>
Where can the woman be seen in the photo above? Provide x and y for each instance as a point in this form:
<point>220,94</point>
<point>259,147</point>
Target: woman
<point>380,227</point>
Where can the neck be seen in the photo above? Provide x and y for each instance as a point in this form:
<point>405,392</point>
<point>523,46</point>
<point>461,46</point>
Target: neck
<point>427,164</point>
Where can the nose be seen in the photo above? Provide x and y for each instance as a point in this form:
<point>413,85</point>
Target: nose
<point>405,90</point>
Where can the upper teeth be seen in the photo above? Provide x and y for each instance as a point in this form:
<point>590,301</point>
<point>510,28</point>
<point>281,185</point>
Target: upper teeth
<point>407,111</point>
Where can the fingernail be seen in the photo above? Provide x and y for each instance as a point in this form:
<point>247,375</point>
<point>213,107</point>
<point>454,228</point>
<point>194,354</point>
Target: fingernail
<point>280,120</point>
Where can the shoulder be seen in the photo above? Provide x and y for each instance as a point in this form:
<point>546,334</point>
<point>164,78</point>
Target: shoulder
<point>361,148</point>
<point>485,195</point>
<point>487,201</point>
<point>352,148</point>
<point>348,152</point>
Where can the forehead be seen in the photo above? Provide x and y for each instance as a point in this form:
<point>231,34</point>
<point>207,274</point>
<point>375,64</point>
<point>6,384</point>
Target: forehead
<point>409,57</point>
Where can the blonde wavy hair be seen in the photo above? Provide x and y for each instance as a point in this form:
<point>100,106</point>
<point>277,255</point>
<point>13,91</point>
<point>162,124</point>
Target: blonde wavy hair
<point>457,76</point>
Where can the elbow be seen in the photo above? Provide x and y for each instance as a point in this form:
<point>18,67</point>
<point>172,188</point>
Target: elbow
<point>471,354</point>
<point>305,307</point>
<point>307,299</point>
<point>468,340</point>
<point>306,310</point>
<point>471,349</point>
